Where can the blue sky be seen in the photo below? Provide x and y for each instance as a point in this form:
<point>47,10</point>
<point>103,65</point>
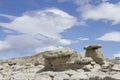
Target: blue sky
<point>32,26</point>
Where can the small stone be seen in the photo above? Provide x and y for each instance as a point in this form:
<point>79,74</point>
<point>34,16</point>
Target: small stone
<point>105,66</point>
<point>88,67</point>
<point>93,63</point>
<point>11,63</point>
<point>1,68</point>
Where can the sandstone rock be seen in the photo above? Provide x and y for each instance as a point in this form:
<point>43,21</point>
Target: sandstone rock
<point>1,68</point>
<point>11,63</point>
<point>61,76</point>
<point>115,68</point>
<point>29,64</point>
<point>59,53</point>
<point>93,63</point>
<point>36,63</point>
<point>96,67</point>
<point>71,72</point>
<point>42,77</point>
<point>116,60</point>
<point>85,60</point>
<point>93,52</point>
<point>97,75</point>
<point>115,76</point>
<point>75,56</point>
<point>93,46</point>
<point>62,64</point>
<point>106,66</point>
<point>61,59</point>
<point>88,67</point>
<point>79,76</point>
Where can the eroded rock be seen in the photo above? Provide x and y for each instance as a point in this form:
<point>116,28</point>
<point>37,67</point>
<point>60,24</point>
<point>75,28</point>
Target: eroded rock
<point>62,64</point>
<point>62,59</point>
<point>93,52</point>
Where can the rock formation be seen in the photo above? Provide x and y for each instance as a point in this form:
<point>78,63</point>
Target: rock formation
<point>62,64</point>
<point>93,52</point>
<point>64,59</point>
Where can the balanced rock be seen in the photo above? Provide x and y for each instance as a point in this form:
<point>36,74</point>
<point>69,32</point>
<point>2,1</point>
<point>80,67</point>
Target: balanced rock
<point>62,59</point>
<point>93,52</point>
<point>93,46</point>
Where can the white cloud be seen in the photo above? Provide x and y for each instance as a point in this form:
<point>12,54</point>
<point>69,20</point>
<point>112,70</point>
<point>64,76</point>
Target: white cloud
<point>8,16</point>
<point>78,40</point>
<point>62,0</point>
<point>48,22</point>
<point>105,0</point>
<point>4,45</point>
<point>104,11</point>
<point>65,42</point>
<point>78,2</point>
<point>117,54</point>
<point>7,31</point>
<point>83,39</point>
<point>111,36</point>
<point>81,2</point>
<point>96,10</point>
<point>39,29</point>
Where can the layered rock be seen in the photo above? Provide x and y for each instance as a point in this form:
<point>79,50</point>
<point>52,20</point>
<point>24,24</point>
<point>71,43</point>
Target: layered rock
<point>62,59</point>
<point>61,64</point>
<point>93,52</point>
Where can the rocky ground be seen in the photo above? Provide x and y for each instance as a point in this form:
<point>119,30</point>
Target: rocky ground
<point>62,64</point>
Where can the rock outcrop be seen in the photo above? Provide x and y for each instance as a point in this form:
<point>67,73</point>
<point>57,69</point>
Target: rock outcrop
<point>62,59</point>
<point>62,64</point>
<point>93,52</point>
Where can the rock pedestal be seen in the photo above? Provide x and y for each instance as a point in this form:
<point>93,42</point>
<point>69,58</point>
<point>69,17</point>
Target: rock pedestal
<point>93,52</point>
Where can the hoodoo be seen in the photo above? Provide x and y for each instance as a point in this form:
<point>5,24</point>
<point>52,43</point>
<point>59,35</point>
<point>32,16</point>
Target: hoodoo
<point>94,52</point>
